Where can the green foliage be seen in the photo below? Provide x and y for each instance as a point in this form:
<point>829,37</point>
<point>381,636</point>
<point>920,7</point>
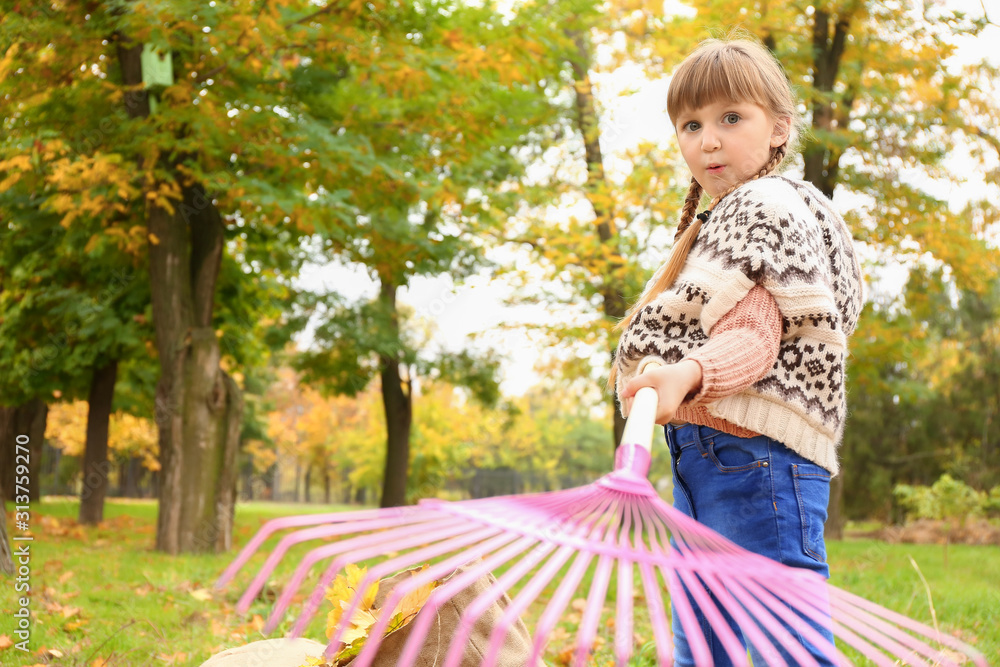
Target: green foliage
<point>948,499</point>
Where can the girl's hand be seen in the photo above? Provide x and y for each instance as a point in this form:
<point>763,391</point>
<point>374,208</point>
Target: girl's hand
<point>672,383</point>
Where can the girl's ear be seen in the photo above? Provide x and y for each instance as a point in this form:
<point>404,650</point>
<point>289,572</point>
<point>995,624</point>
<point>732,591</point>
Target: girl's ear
<point>779,133</point>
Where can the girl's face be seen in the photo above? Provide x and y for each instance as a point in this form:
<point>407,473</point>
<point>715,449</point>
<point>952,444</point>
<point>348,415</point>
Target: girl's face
<point>725,143</point>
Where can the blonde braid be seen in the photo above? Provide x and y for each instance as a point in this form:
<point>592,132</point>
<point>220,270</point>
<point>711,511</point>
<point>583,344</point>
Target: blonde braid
<point>690,207</point>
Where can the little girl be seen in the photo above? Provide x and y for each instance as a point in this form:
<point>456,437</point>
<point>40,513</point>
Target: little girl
<point>745,327</point>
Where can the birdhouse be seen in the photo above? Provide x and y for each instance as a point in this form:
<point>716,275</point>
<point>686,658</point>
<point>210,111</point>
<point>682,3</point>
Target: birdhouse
<point>157,72</point>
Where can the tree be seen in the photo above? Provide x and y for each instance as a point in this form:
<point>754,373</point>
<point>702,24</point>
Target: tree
<point>220,150</point>
<point>461,99</point>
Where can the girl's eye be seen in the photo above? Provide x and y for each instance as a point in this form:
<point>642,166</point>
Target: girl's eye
<point>732,118</point>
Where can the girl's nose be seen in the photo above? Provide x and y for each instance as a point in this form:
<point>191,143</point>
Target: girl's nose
<point>709,140</point>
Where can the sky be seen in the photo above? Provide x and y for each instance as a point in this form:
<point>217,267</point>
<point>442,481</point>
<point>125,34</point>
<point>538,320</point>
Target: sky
<point>635,112</point>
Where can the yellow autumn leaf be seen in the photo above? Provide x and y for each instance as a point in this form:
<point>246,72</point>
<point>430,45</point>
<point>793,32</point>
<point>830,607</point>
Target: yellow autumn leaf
<point>361,623</point>
<point>413,602</point>
<point>342,592</point>
<point>154,239</point>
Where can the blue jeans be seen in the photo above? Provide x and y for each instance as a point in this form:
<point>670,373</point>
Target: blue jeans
<point>764,497</point>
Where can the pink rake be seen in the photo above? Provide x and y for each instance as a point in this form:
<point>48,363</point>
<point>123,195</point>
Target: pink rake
<point>620,521</point>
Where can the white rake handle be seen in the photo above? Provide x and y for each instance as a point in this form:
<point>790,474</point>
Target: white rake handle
<point>642,417</point>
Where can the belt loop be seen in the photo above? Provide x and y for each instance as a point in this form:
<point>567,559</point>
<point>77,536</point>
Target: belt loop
<point>699,439</point>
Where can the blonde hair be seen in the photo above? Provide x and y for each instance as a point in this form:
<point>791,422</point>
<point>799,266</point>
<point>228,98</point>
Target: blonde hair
<point>736,70</point>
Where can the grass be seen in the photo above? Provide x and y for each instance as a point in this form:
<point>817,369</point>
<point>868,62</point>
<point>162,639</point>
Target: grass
<point>102,597</point>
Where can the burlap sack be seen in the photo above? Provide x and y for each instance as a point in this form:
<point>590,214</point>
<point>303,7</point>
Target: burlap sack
<point>514,652</point>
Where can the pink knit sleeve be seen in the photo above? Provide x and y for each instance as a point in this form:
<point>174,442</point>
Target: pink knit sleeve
<point>741,348</point>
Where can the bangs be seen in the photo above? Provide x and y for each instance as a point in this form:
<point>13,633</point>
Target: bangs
<point>717,72</point>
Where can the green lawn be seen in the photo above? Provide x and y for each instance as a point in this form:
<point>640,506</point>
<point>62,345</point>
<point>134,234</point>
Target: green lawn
<point>101,596</point>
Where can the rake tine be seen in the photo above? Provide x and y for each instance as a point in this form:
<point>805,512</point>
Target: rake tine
<point>878,627</point>
<point>809,632</point>
<point>739,602</point>
<point>657,615</point>
<point>874,637</point>
<point>910,624</point>
<point>655,530</point>
<point>401,562</point>
<point>302,536</point>
<point>487,598</point>
<point>592,613</point>
<point>316,598</point>
<point>419,579</point>
<point>623,609</point>
<point>572,526</point>
<point>365,546</point>
<point>696,588</point>
<point>862,645</point>
<point>881,632</point>
<point>445,592</point>
<point>599,585</point>
<point>274,525</point>
<point>904,638</point>
<point>569,585</point>
<point>556,605</point>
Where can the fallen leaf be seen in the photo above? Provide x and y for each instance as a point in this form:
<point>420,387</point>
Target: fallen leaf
<point>100,662</point>
<point>5,642</point>
<point>68,612</point>
<point>202,594</point>
<point>66,576</point>
<point>414,601</point>
<point>75,625</point>
<point>172,659</point>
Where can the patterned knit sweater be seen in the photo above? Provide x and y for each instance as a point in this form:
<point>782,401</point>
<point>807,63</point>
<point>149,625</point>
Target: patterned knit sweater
<point>783,235</point>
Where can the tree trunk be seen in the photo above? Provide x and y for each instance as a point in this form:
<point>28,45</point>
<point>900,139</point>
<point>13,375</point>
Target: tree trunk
<point>131,477</point>
<point>326,485</point>
<point>822,164</point>
<point>821,159</point>
<point>198,406</point>
<point>308,482</point>
<point>834,528</point>
<point>397,401</point>
<point>298,481</point>
<point>95,457</point>
<point>612,296</point>
<point>6,560</point>
<point>27,419</point>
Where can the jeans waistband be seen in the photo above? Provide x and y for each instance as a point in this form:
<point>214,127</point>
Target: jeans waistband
<point>687,435</point>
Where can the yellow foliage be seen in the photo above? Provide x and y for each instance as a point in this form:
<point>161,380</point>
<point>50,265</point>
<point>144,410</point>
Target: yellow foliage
<point>128,436</point>
<point>66,427</point>
<point>8,59</point>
